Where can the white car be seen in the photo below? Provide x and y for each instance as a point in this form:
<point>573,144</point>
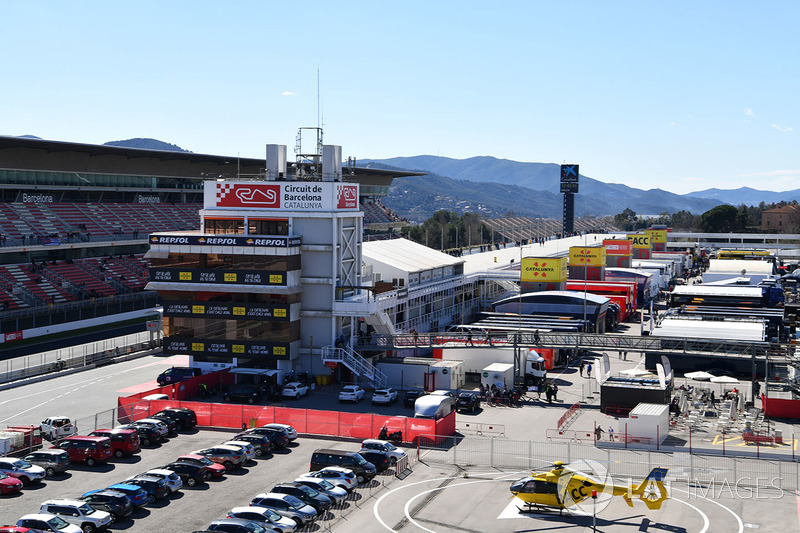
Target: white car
<point>295,390</point>
<point>341,477</point>
<point>58,427</point>
<point>174,482</point>
<point>47,522</point>
<point>290,431</point>
<point>161,427</point>
<point>336,493</point>
<point>77,512</point>
<point>385,396</point>
<point>351,393</point>
<point>247,448</point>
<point>22,470</point>
<point>393,451</point>
<point>265,516</point>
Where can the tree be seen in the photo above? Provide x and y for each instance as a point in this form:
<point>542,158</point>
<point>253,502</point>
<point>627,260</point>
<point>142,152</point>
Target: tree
<point>625,220</point>
<point>721,219</point>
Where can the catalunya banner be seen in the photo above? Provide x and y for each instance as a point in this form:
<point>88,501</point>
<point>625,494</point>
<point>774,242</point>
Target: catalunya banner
<point>283,196</point>
<point>618,247</point>
<point>583,256</point>
<point>549,269</point>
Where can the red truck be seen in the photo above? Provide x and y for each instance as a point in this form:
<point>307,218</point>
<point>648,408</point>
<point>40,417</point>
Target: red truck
<point>20,438</point>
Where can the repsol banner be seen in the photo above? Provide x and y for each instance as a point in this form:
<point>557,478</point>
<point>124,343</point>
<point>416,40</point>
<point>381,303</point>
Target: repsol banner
<point>226,240</point>
<point>229,277</point>
<point>227,310</point>
<point>229,348</point>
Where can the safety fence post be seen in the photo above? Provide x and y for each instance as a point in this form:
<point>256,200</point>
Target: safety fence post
<point>723,441</point>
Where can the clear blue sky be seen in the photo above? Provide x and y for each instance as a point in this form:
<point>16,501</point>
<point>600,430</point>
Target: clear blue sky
<point>680,95</point>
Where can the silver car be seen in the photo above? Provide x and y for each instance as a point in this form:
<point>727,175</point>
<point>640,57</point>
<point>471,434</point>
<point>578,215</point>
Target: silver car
<point>247,448</point>
<point>173,480</point>
<point>288,506</point>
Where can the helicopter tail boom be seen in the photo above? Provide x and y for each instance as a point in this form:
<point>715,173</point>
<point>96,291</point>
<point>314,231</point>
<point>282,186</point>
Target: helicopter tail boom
<point>651,490</point>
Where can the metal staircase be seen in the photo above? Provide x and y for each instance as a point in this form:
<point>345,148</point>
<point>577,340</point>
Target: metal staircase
<point>356,363</point>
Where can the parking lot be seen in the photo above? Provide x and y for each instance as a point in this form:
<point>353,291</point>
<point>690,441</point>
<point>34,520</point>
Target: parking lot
<point>191,508</point>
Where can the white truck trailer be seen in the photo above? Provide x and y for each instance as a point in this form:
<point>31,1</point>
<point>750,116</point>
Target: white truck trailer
<point>477,358</point>
<point>501,375</point>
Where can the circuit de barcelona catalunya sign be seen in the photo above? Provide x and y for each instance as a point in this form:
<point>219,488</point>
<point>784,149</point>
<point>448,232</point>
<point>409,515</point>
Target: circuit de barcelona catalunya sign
<point>285,195</point>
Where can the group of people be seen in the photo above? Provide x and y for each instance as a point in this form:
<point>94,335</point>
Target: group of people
<point>504,395</point>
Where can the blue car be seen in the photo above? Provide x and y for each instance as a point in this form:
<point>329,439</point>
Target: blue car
<point>136,494</point>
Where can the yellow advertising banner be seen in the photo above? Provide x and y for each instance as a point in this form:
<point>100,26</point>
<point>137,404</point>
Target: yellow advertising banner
<point>640,241</point>
<point>657,236</point>
<point>544,269</point>
<point>583,256</point>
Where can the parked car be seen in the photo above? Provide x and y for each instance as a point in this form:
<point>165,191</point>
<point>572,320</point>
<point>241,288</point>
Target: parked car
<point>261,444</point>
<point>277,436</point>
<point>384,396</point>
<point>54,461</point>
<point>161,427</point>
<point>264,516</point>
<point>79,513</point>
<point>21,469</point>
<point>123,441</point>
<point>9,485</point>
<point>334,492</point>
<point>189,473</point>
<point>111,501</point>
<point>411,396</point>
<point>236,525</point>
<point>307,495</point>
<point>136,494</point>
<point>290,431</point>
<point>227,456</point>
<point>176,374</point>
<point>351,393</point>
<point>324,457</point>
<point>156,487</point>
<point>148,435</point>
<point>186,418</point>
<point>380,459</point>
<point>295,390</point>
<point>286,505</point>
<point>48,522</point>
<point>172,425</point>
<point>443,392</point>
<point>468,401</point>
<point>171,478</point>
<point>57,427</point>
<point>89,450</point>
<point>384,446</point>
<point>243,394</point>
<point>213,469</point>
<point>247,449</point>
<point>338,476</point>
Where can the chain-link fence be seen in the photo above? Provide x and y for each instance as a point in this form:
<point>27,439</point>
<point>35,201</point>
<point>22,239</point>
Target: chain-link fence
<point>690,468</point>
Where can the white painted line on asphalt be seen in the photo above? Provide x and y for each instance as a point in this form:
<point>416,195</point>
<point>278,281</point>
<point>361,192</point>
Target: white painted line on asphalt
<point>736,516</point>
<point>705,517</point>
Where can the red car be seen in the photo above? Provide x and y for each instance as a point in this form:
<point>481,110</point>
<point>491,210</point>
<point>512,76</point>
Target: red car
<point>19,529</point>
<point>215,469</point>
<point>9,485</point>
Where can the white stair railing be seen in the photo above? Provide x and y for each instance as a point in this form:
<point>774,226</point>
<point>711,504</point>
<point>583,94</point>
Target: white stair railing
<point>356,363</point>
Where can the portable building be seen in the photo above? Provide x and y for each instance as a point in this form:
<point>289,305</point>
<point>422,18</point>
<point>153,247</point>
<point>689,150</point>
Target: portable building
<point>647,423</point>
<point>501,375</point>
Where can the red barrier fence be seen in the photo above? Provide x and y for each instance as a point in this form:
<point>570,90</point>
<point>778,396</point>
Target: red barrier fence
<point>780,407</point>
<point>572,411</point>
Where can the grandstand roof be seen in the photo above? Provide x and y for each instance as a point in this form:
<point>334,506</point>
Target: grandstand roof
<point>39,154</point>
<point>406,255</point>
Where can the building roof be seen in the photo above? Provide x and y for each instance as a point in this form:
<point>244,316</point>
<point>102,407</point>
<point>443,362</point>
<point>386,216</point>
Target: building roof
<point>738,265</point>
<point>406,255</point>
<point>710,329</point>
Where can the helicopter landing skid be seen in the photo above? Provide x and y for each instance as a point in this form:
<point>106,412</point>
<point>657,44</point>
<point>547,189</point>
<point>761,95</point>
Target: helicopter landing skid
<point>535,508</point>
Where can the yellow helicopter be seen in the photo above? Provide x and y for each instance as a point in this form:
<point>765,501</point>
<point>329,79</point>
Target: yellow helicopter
<point>563,487</point>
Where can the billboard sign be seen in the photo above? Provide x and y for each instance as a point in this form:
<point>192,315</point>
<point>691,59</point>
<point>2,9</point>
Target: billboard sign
<point>544,269</point>
<point>225,347</point>
<point>585,256</point>
<point>617,246</point>
<point>657,236</point>
<point>227,310</point>
<point>640,241</point>
<point>230,277</point>
<point>278,241</point>
<point>284,196</point>
<point>569,173</point>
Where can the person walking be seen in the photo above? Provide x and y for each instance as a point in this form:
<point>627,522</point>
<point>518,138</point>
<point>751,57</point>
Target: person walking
<point>598,433</point>
<point>589,370</point>
<point>610,433</point>
<point>555,392</point>
<point>548,392</point>
<point>469,337</point>
<point>581,367</point>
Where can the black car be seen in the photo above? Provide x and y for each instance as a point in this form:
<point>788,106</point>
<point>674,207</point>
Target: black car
<point>381,460</point>
<point>186,418</point>
<point>147,435</point>
<point>320,502</point>
<point>110,501</point>
<point>468,401</point>
<point>261,443</point>
<point>279,437</point>
<point>156,487</point>
<point>411,396</point>
<point>172,425</point>
<point>190,474</point>
<point>243,394</point>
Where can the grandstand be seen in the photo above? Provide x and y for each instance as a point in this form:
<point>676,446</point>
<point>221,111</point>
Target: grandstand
<point>514,229</point>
